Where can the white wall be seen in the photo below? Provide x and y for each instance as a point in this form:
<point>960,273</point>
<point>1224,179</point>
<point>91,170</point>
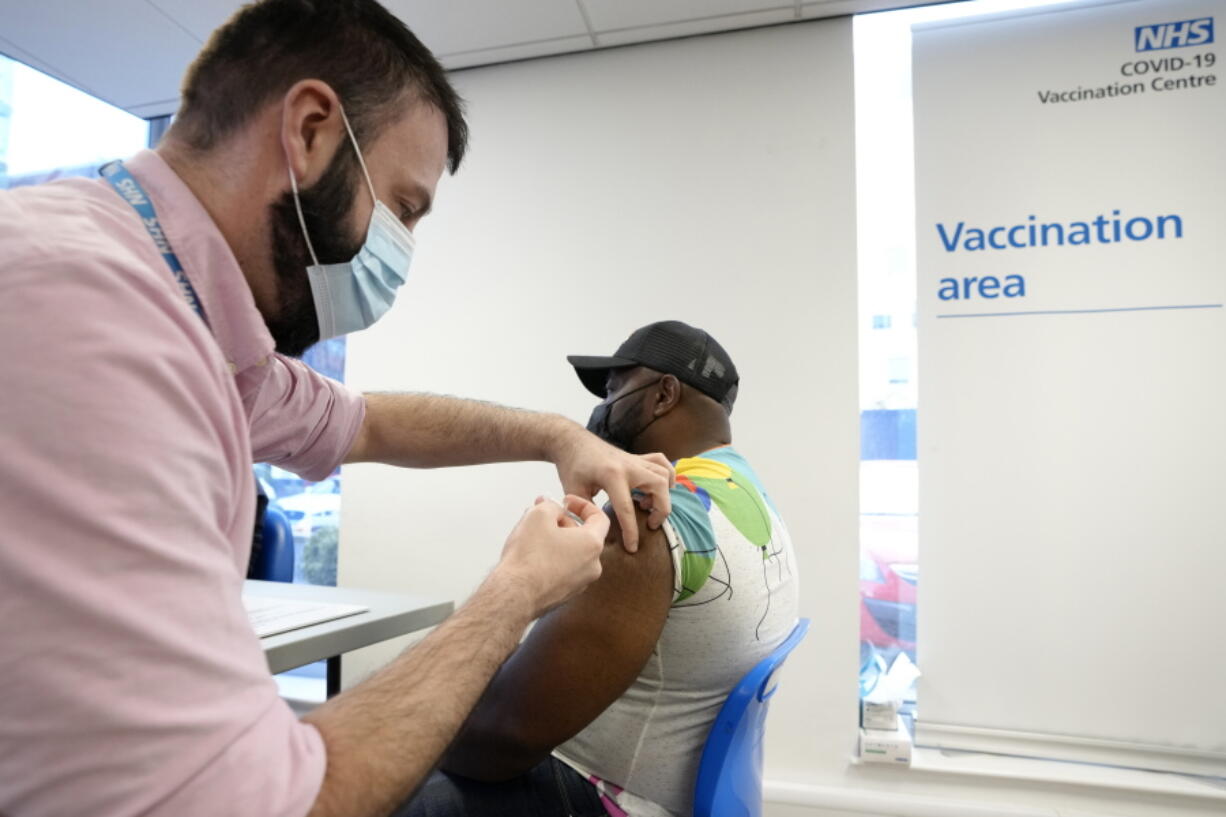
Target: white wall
<point>709,180</point>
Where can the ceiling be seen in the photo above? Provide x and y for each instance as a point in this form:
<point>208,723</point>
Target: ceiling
<point>132,53</point>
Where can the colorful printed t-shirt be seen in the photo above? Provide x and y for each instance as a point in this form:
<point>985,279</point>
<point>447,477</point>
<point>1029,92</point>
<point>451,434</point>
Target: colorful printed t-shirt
<point>734,582</point>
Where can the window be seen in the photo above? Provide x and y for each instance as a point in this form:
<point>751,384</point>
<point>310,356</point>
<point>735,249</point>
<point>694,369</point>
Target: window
<point>314,513</point>
<point>49,130</point>
<point>889,479</point>
<point>313,509</point>
<point>899,369</point>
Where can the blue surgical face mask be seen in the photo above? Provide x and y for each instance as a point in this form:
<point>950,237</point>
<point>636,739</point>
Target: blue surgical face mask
<point>352,295</point>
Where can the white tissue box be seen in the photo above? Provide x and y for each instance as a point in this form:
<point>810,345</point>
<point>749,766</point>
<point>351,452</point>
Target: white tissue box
<point>891,746</point>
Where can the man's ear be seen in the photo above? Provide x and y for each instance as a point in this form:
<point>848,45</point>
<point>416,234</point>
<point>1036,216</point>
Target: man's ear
<point>668,396</point>
<point>311,129</point>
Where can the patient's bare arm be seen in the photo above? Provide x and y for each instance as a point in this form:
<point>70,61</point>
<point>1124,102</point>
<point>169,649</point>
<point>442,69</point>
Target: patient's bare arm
<point>577,660</point>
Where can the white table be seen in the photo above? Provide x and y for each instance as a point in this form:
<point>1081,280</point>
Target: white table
<point>389,615</point>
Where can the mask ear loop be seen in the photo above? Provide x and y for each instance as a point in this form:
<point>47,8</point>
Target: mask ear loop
<point>361,161</point>
<point>293,183</point>
<point>647,425</point>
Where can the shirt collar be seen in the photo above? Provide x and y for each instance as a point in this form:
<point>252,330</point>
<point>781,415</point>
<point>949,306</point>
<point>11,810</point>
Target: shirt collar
<point>238,327</point>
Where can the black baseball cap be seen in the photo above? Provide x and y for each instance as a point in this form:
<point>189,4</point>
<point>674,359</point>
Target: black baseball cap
<point>670,347</point>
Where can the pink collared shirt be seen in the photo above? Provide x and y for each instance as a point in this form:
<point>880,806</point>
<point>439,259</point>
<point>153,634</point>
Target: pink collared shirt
<point>133,684</point>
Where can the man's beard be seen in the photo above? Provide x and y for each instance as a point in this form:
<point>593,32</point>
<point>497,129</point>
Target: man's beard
<point>326,208</point>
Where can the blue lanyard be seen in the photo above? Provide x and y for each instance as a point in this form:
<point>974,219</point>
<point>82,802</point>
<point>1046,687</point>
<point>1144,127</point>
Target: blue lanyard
<point>130,190</point>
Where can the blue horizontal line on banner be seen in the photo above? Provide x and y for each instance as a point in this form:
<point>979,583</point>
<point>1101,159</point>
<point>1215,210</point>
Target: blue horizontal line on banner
<point>1081,311</point>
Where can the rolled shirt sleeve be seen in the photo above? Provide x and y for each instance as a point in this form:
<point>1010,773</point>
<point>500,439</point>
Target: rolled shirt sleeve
<point>300,420</point>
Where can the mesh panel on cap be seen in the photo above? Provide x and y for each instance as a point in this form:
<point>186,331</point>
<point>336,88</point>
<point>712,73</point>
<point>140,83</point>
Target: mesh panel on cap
<point>688,353</point>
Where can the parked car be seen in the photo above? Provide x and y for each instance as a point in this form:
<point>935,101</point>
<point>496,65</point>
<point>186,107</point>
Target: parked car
<point>331,485</point>
<point>306,512</point>
<point>889,577</point>
<point>277,482</point>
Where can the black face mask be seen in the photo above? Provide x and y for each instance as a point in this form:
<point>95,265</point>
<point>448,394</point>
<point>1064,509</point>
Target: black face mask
<point>601,423</point>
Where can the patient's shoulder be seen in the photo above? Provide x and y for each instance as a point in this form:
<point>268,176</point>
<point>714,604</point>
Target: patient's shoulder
<point>646,572</point>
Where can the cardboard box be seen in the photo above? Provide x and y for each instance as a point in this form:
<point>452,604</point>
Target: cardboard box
<point>879,715</point>
<point>886,746</point>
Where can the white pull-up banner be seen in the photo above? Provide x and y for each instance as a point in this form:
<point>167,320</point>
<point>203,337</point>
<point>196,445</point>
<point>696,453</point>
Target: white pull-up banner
<point>1071,207</point>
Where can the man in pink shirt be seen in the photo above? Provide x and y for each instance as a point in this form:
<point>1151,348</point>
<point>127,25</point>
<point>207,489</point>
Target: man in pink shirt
<point>149,323</point>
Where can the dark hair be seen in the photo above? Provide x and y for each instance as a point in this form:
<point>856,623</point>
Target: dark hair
<point>368,56</point>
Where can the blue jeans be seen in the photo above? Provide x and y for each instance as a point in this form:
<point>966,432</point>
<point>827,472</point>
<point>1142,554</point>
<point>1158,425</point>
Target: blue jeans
<point>549,789</point>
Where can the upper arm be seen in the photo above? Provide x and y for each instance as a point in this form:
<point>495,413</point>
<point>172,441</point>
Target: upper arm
<point>576,661</point>
<point>301,420</point>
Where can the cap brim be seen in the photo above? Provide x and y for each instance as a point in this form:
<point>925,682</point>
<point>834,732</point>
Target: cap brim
<point>594,371</point>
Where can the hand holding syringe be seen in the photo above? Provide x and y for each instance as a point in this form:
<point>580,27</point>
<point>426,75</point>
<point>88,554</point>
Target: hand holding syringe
<point>566,512</point>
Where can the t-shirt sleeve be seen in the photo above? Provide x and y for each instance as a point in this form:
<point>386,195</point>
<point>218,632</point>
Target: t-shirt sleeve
<point>691,542</point>
<point>300,420</point>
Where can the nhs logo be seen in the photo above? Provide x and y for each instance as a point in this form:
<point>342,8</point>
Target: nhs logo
<point>1175,35</point>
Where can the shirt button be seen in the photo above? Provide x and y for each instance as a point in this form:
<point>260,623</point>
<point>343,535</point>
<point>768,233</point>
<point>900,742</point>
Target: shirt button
<point>230,365</point>
<point>262,362</point>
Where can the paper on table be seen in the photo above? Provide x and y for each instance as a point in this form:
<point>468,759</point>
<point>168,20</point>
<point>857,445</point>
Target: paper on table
<point>271,616</point>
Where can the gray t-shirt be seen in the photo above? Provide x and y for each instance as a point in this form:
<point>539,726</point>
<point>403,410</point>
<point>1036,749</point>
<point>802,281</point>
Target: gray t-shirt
<point>735,590</point>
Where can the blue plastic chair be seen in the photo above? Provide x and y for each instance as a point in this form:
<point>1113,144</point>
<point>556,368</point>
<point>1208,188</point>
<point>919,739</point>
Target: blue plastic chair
<point>275,560</point>
<point>730,772</point>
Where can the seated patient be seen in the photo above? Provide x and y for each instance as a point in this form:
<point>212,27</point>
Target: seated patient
<point>607,704</point>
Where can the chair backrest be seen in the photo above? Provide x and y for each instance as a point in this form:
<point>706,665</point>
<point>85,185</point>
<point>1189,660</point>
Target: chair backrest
<point>274,559</point>
<point>730,773</point>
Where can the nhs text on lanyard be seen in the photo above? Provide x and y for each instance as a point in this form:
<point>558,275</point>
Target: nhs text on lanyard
<point>130,190</point>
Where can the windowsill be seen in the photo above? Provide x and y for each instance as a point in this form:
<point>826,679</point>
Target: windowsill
<point>976,764</point>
